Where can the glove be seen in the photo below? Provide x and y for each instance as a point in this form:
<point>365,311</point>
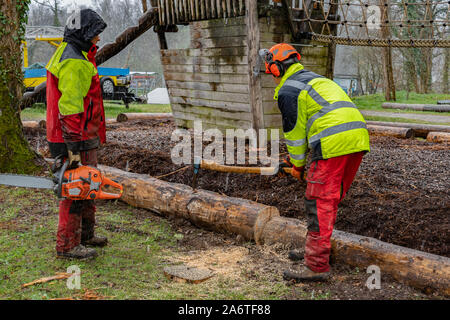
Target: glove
<point>74,159</point>
<point>297,172</point>
<point>284,164</point>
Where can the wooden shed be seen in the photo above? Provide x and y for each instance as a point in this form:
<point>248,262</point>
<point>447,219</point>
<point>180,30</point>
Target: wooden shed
<point>216,80</point>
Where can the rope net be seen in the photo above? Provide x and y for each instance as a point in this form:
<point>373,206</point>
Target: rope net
<point>382,23</point>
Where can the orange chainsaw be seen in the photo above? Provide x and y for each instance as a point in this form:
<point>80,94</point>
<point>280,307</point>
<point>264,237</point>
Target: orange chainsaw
<point>82,183</point>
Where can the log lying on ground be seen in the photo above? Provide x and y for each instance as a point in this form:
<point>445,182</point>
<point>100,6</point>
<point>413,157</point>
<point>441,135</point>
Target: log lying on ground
<point>35,124</point>
<point>420,130</point>
<point>417,107</point>
<point>397,132</point>
<point>122,117</point>
<point>438,137</point>
<point>148,20</point>
<point>255,221</point>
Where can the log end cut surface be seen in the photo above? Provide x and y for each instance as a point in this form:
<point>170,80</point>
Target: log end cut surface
<point>184,273</point>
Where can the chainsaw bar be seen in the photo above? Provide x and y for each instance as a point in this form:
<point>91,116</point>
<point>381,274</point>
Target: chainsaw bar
<point>17,180</point>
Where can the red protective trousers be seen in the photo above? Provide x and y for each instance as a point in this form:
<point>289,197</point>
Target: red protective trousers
<point>76,218</point>
<point>328,183</point>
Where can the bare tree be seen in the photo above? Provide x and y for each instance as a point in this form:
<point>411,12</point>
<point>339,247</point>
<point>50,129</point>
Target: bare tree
<point>55,7</point>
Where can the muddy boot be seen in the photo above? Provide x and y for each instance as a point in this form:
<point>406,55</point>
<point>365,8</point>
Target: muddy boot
<point>305,274</point>
<point>79,252</point>
<point>95,241</point>
<point>295,255</point>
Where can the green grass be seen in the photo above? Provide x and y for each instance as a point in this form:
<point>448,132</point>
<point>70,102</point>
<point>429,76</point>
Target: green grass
<point>374,101</point>
<point>112,109</point>
<point>130,267</point>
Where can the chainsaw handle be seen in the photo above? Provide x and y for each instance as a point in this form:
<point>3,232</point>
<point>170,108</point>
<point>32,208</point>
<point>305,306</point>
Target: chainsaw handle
<point>106,195</point>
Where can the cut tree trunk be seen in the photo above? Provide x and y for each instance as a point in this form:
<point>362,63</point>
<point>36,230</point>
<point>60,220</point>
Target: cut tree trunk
<point>438,137</point>
<point>122,117</point>
<point>417,107</point>
<point>34,124</point>
<point>397,132</point>
<point>255,221</point>
<point>420,130</point>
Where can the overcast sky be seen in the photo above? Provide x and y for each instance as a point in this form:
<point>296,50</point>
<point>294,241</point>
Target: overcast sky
<point>77,2</point>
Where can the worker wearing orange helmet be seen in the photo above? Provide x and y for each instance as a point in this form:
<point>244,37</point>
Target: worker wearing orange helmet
<point>317,115</point>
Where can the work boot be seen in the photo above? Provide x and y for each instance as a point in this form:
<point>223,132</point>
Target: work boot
<point>95,241</point>
<point>295,255</point>
<point>79,252</point>
<point>304,275</point>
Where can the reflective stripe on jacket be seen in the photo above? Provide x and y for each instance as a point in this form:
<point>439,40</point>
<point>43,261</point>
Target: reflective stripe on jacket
<point>316,112</point>
<point>75,112</point>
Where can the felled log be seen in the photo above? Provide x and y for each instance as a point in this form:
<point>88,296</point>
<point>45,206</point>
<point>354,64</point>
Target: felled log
<point>420,130</point>
<point>148,20</point>
<point>122,117</point>
<point>34,124</point>
<point>397,132</point>
<point>417,107</point>
<point>204,208</point>
<point>255,221</point>
<point>438,137</point>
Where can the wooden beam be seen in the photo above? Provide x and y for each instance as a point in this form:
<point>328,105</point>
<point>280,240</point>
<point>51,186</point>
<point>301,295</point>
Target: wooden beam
<point>253,40</point>
<point>122,117</point>
<point>420,130</point>
<point>417,107</point>
<point>397,132</point>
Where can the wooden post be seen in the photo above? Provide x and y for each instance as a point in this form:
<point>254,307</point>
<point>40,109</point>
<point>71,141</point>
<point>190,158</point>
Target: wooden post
<point>144,6</point>
<point>332,46</point>
<point>253,40</point>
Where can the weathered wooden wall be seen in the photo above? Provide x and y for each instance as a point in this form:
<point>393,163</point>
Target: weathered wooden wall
<point>210,81</point>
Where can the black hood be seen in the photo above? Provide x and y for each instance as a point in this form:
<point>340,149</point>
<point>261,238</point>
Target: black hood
<point>82,27</point>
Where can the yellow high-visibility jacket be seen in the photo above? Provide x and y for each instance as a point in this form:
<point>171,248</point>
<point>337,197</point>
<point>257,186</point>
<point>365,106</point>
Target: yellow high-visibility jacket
<point>317,113</point>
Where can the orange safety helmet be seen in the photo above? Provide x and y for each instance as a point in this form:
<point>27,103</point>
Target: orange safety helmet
<point>276,56</point>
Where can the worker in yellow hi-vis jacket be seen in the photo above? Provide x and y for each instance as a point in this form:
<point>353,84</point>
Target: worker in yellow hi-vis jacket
<point>318,114</point>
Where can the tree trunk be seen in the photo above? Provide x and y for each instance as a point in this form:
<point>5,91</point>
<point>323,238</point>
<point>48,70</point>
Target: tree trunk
<point>389,85</point>
<point>445,84</point>
<point>15,153</point>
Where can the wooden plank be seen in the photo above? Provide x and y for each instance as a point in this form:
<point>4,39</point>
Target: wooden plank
<point>222,42</point>
<point>241,7</point>
<point>270,107</point>
<point>219,8</point>
<point>213,9</point>
<point>209,95</point>
<point>227,122</point>
<point>206,52</point>
<point>219,22</point>
<point>229,9</point>
<point>218,32</point>
<point>225,105</point>
<point>253,42</point>
<point>206,77</point>
<point>206,112</point>
<point>202,9</point>
<point>230,60</point>
<point>195,68</point>
<point>182,123</point>
<point>197,9</point>
<point>224,9</point>
<point>272,120</point>
<point>209,86</point>
<point>192,8</point>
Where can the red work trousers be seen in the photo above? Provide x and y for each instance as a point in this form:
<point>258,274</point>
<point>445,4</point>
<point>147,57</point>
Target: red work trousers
<point>328,182</point>
<point>76,217</point>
